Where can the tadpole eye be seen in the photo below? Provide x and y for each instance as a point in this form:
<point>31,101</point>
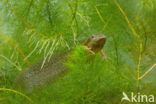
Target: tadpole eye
<point>92,36</point>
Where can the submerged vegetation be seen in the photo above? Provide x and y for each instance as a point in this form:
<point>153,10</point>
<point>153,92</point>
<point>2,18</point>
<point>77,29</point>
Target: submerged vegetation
<point>33,30</point>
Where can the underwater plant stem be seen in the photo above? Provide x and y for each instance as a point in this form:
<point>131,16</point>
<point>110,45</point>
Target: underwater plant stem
<point>126,18</point>
<point>149,70</point>
<point>16,92</point>
<point>138,66</point>
<point>139,42</point>
<point>12,63</point>
<point>74,22</point>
